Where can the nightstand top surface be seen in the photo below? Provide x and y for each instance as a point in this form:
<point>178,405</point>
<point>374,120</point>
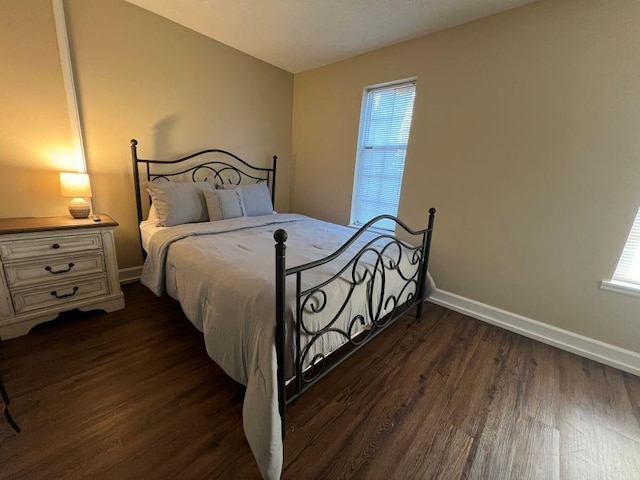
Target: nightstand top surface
<point>64,222</point>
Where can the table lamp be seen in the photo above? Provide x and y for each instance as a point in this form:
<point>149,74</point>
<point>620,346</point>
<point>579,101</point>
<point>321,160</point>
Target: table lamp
<point>76,186</point>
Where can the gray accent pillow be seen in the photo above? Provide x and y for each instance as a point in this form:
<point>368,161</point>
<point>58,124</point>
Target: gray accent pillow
<point>223,204</point>
<point>256,198</point>
<point>179,202</point>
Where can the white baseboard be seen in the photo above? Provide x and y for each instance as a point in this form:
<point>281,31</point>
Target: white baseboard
<point>611,355</point>
<point>130,275</point>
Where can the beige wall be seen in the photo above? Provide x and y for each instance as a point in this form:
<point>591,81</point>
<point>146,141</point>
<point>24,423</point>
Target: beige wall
<point>525,137</point>
<point>35,134</point>
<point>140,76</point>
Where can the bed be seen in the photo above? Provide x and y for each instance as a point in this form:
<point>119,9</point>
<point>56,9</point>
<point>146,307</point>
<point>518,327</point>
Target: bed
<point>275,321</point>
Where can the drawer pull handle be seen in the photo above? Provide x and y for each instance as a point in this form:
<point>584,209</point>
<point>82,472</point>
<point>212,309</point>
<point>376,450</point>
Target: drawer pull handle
<point>49,269</point>
<point>55,294</point>
<point>55,245</point>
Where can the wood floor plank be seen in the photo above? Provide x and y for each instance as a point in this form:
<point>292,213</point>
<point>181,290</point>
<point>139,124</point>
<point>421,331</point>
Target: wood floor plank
<point>133,394</point>
<point>598,424</point>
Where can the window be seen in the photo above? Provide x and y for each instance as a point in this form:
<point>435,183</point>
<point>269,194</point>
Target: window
<point>385,122</point>
<point>627,274</point>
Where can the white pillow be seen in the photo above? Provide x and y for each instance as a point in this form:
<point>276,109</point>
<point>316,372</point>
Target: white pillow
<point>256,198</point>
<point>223,204</point>
<point>177,203</point>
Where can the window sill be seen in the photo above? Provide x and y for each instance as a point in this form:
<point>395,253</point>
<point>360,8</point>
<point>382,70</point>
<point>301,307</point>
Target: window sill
<point>373,229</point>
<point>621,287</point>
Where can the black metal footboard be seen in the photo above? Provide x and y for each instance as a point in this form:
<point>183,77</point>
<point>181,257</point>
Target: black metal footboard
<point>316,318</point>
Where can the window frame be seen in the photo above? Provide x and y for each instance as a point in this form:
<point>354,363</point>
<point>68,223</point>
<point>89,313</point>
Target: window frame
<point>362,129</point>
<point>620,282</point>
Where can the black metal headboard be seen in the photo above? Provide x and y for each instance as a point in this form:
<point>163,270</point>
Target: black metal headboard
<point>217,171</point>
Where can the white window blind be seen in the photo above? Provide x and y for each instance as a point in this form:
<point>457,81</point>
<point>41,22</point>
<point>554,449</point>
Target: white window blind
<point>628,269</point>
<point>385,123</point>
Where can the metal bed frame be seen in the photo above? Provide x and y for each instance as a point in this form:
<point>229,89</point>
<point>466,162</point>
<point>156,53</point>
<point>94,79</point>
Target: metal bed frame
<point>368,269</point>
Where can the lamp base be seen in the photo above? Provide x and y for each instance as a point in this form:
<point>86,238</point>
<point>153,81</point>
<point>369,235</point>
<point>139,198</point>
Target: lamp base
<point>79,208</point>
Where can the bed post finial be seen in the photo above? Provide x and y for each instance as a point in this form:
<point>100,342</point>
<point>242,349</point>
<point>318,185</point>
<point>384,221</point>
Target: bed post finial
<point>280,236</point>
<point>432,219</point>
<point>134,142</point>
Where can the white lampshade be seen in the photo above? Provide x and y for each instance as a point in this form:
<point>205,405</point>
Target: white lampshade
<point>76,186</point>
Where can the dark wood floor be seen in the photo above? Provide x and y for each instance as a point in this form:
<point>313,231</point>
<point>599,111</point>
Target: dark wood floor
<point>133,394</point>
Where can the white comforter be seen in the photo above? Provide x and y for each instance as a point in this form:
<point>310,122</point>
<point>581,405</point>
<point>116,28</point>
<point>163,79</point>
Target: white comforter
<point>223,274</point>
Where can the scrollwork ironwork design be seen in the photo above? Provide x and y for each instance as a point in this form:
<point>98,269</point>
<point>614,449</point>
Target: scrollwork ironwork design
<point>214,172</point>
<point>369,269</point>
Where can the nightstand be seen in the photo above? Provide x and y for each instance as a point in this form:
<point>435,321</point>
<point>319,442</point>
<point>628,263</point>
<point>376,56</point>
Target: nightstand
<point>50,265</point>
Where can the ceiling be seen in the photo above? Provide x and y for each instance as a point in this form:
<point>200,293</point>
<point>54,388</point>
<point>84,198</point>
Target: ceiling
<point>299,35</point>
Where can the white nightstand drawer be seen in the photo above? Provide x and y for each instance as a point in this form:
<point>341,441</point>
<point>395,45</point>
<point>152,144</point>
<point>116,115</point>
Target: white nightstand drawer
<point>53,245</point>
<point>58,294</point>
<point>54,269</point>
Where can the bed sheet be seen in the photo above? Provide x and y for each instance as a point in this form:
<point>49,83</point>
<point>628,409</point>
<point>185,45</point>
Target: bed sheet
<point>148,229</point>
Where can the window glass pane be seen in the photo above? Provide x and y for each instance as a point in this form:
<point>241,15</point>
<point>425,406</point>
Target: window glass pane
<point>628,269</point>
<point>384,134</point>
